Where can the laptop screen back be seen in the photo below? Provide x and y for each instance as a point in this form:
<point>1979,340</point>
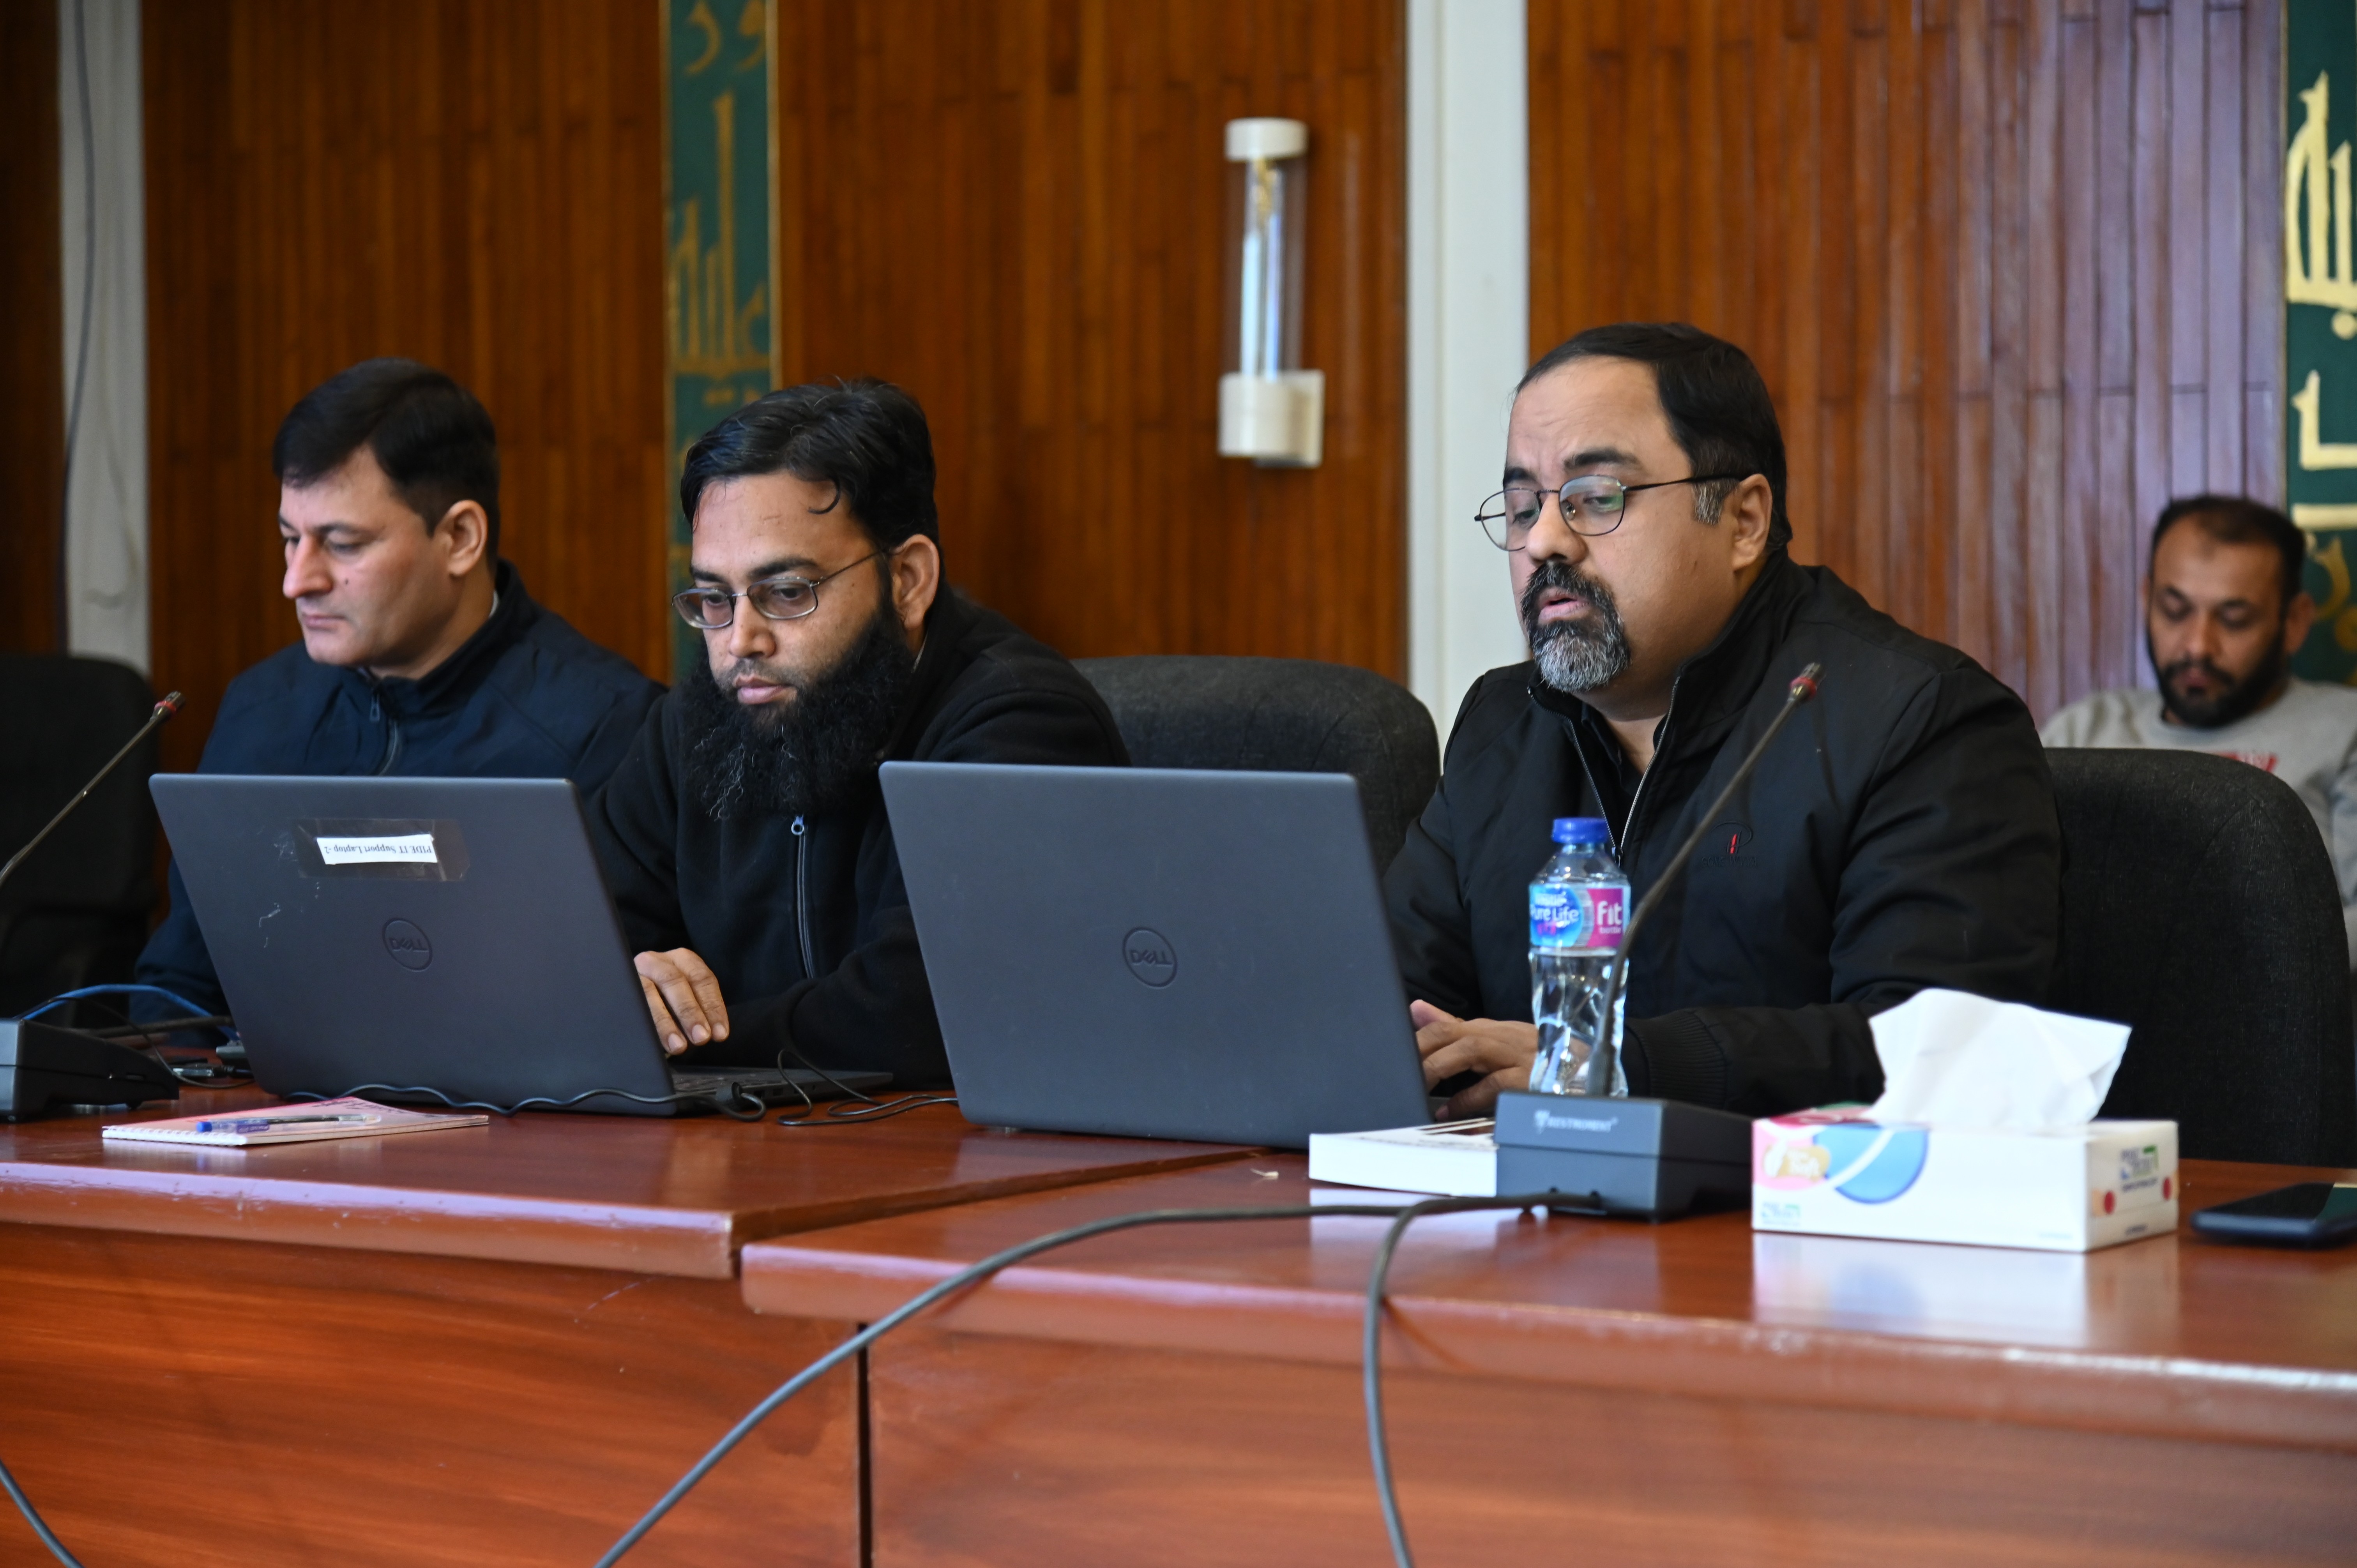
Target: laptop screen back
<point>448,933</point>
<point>1156,952</point>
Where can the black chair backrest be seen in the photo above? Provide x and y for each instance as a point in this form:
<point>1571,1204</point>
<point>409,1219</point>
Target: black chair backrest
<point>2199,908</point>
<point>1279,715</point>
<point>76,912</point>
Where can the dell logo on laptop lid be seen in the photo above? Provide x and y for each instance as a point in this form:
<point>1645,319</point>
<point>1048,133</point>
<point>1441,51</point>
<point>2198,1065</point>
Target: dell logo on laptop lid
<point>407,944</point>
<point>1150,957</point>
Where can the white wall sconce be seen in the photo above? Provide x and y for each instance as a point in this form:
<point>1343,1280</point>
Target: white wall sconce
<point>1271,410</point>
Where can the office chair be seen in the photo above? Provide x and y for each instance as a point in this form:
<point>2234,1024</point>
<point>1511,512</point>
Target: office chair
<point>1279,715</point>
<point>2199,907</point>
<point>75,914</point>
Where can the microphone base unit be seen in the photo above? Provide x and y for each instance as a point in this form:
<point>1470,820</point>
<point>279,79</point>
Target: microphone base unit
<point>44,1069</point>
<point>1653,1159</point>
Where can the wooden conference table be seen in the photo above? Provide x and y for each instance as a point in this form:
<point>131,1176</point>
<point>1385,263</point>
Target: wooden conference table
<point>495,1344</point>
<point>499,1346</point>
<point>1588,1392</point>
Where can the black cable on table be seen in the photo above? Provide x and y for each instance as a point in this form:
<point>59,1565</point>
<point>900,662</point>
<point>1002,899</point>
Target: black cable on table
<point>41,1526</point>
<point>537,1099</point>
<point>869,1108</point>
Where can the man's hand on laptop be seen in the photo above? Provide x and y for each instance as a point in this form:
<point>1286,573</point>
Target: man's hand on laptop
<point>1500,1050</point>
<point>683,995</point>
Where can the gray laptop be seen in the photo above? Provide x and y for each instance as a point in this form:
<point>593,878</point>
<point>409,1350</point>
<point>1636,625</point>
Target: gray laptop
<point>1156,952</point>
<point>396,936</point>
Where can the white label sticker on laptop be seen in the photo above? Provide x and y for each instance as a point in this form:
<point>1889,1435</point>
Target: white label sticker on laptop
<point>396,849</point>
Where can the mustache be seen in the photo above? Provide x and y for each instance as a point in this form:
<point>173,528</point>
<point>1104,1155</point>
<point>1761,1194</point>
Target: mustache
<point>1570,579</point>
<point>2192,662</point>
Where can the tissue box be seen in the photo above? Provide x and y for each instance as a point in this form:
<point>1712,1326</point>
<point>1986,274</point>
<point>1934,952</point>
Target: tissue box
<point>2070,1190</point>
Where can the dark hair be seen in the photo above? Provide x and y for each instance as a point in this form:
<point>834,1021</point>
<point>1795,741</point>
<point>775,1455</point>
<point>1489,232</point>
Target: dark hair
<point>433,440</point>
<point>1719,406</point>
<point>2238,519</point>
<point>865,438</point>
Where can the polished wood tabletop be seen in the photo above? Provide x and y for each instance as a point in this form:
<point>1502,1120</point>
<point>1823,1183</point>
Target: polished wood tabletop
<point>649,1195</point>
<point>2173,1335</point>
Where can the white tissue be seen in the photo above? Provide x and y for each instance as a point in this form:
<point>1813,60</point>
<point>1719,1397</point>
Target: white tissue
<point>1951,1059</point>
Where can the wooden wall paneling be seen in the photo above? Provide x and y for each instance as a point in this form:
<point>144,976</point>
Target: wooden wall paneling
<point>2262,275</point>
<point>2121,633</point>
<point>2189,285</point>
<point>32,385</point>
<point>2225,248</point>
<point>476,187</point>
<point>2008,391</point>
<point>1018,212</point>
<point>2009,266</point>
<point>1974,623</point>
<point>2078,548</point>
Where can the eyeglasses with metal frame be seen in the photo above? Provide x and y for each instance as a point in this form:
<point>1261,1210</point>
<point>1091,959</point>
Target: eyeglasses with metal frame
<point>787,597</point>
<point>1591,505</point>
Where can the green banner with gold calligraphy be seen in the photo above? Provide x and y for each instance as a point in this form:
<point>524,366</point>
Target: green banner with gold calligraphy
<point>719,278</point>
<point>2320,320</point>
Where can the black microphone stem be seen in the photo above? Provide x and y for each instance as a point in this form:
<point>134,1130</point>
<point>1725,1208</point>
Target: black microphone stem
<point>1605,1058</point>
<point>163,710</point>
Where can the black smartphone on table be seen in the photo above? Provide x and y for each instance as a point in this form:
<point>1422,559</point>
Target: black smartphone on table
<point>2308,1214</point>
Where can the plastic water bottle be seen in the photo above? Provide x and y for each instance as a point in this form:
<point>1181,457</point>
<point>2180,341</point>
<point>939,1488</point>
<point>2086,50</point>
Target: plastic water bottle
<point>1580,904</point>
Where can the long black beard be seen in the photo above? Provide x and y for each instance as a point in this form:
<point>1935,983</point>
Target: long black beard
<point>813,754</point>
<point>1575,655</point>
<point>2235,699</point>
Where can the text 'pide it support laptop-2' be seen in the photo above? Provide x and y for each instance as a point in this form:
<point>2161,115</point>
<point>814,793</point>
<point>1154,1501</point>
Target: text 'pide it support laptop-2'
<point>1156,952</point>
<point>451,935</point>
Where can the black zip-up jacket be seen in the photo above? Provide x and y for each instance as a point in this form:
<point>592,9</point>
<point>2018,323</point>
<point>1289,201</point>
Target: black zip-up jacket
<point>1900,834</point>
<point>526,697</point>
<point>805,920</point>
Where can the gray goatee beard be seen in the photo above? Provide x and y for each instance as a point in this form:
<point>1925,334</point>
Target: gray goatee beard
<point>1581,655</point>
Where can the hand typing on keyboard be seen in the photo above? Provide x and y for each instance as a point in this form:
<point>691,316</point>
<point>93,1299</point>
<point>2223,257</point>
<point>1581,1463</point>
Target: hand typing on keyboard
<point>683,998</point>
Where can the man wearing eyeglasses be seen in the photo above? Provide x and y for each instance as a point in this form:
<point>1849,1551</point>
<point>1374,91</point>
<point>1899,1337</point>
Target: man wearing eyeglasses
<point>744,836</point>
<point>1900,834</point>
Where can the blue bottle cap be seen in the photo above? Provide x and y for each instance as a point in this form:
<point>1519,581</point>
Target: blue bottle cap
<point>1581,830</point>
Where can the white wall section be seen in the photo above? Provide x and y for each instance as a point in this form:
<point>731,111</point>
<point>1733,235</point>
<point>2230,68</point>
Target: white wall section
<point>103,234</point>
<point>1468,330</point>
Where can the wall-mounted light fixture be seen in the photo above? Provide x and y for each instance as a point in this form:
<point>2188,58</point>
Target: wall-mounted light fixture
<point>1271,410</point>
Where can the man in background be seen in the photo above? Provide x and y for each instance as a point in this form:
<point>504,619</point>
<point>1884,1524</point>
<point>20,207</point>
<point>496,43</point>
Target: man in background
<point>422,655</point>
<point>2223,613</point>
<point>745,837</point>
<point>1900,834</point>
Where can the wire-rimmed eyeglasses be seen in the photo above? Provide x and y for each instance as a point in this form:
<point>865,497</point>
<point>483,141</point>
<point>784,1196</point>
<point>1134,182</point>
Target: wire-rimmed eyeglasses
<point>1591,504</point>
<point>777,598</point>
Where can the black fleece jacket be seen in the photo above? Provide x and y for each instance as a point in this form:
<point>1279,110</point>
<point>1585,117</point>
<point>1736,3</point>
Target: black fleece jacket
<point>805,920</point>
<point>1900,834</point>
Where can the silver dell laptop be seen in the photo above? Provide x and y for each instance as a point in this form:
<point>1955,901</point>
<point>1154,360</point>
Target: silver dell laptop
<point>1156,952</point>
<point>432,940</point>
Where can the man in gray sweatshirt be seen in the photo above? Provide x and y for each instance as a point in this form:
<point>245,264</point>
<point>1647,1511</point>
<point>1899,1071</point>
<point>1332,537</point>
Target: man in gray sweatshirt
<point>2224,613</point>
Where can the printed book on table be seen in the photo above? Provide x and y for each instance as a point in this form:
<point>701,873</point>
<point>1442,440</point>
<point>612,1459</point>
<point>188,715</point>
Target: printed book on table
<point>1453,1159</point>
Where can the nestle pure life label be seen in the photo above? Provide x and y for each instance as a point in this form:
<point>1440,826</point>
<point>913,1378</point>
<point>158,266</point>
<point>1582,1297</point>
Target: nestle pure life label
<point>1577,919</point>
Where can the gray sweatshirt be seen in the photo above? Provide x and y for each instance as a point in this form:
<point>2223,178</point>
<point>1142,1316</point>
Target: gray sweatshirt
<point>2306,738</point>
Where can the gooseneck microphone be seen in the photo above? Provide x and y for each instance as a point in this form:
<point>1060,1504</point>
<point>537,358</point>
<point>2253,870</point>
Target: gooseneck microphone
<point>1650,1157</point>
<point>1605,1058</point>
<point>162,710</point>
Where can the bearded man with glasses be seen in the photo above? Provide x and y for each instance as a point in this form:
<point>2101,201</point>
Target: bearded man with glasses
<point>744,836</point>
<point>1900,834</point>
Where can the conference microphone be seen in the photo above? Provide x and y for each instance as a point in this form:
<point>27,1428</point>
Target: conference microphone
<point>1655,1158</point>
<point>1605,1058</point>
<point>46,1068</point>
<point>161,711</point>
